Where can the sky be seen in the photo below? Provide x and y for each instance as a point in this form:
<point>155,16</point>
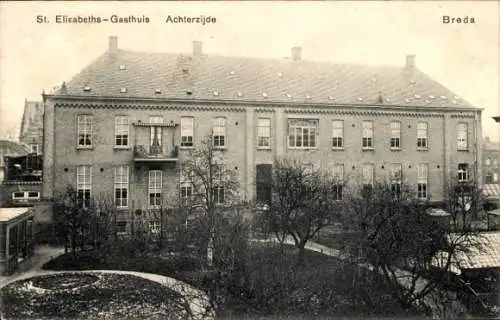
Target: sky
<point>463,57</point>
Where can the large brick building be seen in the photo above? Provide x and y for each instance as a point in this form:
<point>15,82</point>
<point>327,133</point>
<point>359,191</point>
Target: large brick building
<point>122,125</point>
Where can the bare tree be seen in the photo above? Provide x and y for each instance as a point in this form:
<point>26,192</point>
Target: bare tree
<point>211,186</point>
<point>72,218</point>
<point>304,201</point>
<point>464,199</point>
<point>402,243</point>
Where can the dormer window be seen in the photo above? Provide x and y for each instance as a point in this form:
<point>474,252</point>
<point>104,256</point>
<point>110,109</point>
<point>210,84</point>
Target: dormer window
<point>308,96</point>
<point>123,90</point>
<point>86,88</point>
<point>215,93</point>
<point>240,94</point>
<point>157,91</point>
<point>264,95</point>
<point>122,67</point>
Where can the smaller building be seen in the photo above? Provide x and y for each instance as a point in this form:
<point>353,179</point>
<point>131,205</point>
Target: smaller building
<point>17,243</point>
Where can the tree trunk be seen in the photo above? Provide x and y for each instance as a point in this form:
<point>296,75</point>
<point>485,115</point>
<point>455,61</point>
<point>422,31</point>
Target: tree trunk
<point>302,253</point>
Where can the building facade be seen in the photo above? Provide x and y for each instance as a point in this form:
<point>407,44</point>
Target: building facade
<point>491,161</point>
<point>31,132</point>
<point>123,125</point>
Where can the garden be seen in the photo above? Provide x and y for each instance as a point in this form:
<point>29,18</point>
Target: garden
<point>91,296</point>
<point>271,284</point>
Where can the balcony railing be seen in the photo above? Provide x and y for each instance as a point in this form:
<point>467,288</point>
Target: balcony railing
<point>155,153</point>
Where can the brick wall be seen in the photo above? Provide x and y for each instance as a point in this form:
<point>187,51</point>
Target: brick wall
<point>62,157</point>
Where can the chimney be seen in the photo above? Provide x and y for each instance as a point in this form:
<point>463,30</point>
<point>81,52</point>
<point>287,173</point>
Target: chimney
<point>410,61</point>
<point>113,45</point>
<point>296,53</point>
<point>197,48</point>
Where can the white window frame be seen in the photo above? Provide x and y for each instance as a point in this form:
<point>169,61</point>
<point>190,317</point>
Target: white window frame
<point>495,177</point>
<point>396,179</point>
<point>462,136</point>
<point>463,172</point>
<point>187,132</point>
<point>84,129</point>
<point>395,141</point>
<point>303,128</point>
<point>368,174</point>
<point>154,227</point>
<point>185,186</point>
<point>338,176</point>
<point>264,133</point>
<point>422,181</point>
<point>338,134</point>
<point>35,148</point>
<point>487,162</point>
<point>367,142</point>
<point>121,183</point>
<point>155,183</point>
<point>219,136</point>
<point>422,135</point>
<point>155,120</point>
<point>84,184</point>
<point>122,131</point>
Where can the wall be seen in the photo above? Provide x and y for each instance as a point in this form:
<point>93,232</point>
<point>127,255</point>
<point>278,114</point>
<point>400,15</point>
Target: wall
<point>442,157</point>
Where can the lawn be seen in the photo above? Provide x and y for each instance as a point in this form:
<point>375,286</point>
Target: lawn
<point>90,296</point>
<point>269,286</point>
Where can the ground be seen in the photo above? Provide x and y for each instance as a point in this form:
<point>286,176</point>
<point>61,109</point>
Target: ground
<point>90,296</point>
<point>323,286</point>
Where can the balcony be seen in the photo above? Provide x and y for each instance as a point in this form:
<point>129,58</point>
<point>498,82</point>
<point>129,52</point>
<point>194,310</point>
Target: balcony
<point>155,154</point>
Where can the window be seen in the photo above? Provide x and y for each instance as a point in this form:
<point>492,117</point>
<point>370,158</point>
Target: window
<point>84,131</point>
<point>264,132</point>
<point>302,133</point>
<point>396,179</point>
<point>186,185</point>
<point>487,162</point>
<point>463,172</point>
<point>422,181</point>
<point>495,177</point>
<point>264,183</point>
<point>462,133</point>
<point>495,162</point>
<point>422,142</point>
<point>155,184</point>
<point>121,131</point>
<point>488,178</point>
<point>368,172</point>
<point>156,135</point>
<point>367,134</point>
<point>219,132</point>
<point>83,185</point>
<point>121,186</point>
<point>219,194</point>
<point>35,148</point>
<point>154,227</point>
<point>338,134</point>
<point>338,176</point>
<point>187,131</point>
<point>395,135</point>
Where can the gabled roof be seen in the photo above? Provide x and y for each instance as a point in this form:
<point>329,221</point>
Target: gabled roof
<point>209,77</point>
<point>32,121</point>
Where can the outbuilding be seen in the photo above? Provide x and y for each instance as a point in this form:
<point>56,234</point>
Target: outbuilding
<point>17,242</point>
